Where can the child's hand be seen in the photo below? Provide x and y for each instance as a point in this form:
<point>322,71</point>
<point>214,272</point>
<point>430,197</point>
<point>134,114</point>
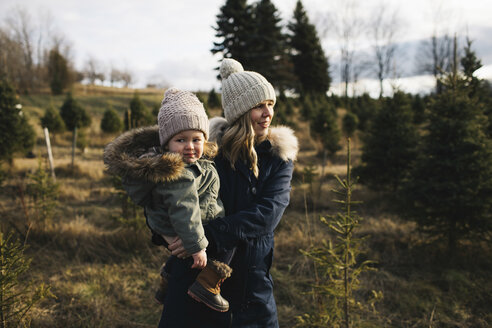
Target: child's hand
<point>199,260</point>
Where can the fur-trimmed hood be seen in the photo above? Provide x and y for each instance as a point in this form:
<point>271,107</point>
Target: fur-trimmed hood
<point>123,157</point>
<point>284,142</point>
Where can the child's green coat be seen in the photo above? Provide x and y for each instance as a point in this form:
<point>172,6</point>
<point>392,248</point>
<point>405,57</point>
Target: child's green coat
<point>177,197</point>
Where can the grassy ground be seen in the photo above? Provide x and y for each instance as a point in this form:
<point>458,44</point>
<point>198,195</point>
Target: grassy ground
<point>103,269</point>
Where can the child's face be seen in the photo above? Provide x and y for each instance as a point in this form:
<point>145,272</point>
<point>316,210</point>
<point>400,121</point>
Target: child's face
<point>189,144</point>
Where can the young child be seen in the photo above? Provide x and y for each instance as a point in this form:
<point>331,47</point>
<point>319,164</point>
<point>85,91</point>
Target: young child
<point>163,170</point>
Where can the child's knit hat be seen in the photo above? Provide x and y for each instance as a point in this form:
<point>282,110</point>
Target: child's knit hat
<point>242,90</point>
<point>180,110</point>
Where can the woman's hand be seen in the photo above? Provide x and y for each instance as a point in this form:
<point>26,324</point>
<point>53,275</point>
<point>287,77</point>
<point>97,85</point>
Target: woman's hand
<point>199,260</point>
<point>177,248</point>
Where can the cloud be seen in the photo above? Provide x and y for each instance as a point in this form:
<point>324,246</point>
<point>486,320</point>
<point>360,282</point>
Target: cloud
<point>187,72</point>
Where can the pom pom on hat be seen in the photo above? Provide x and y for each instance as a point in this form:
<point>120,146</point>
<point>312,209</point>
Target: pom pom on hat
<point>169,92</point>
<point>180,111</point>
<point>242,90</point>
<point>230,66</point>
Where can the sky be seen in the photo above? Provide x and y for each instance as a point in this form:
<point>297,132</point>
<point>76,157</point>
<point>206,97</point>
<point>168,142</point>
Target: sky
<point>168,42</point>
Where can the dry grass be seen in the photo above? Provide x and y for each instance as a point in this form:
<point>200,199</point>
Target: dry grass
<point>101,295</point>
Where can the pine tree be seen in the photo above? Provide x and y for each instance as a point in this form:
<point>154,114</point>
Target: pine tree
<point>310,63</point>
<point>75,117</point>
<point>479,88</point>
<point>52,120</point>
<point>82,140</point>
<point>339,262</point>
<point>139,114</point>
<point>234,30</point>
<point>58,72</point>
<point>16,135</point>
<point>470,64</point>
<point>213,100</point>
<point>390,145</point>
<point>44,192</point>
<point>350,122</point>
<point>267,52</point>
<point>111,122</point>
<point>16,297</point>
<point>449,192</point>
<point>324,126</point>
<point>365,108</point>
<point>73,114</point>
<point>418,108</point>
<point>284,111</point>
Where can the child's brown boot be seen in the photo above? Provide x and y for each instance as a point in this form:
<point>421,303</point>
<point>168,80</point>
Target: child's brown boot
<point>206,288</point>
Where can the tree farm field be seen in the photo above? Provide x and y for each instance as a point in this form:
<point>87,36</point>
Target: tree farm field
<point>102,268</point>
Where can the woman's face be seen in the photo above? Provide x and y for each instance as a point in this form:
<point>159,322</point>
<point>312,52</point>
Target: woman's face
<point>261,117</point>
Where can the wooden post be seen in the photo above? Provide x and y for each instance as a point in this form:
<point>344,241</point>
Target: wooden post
<point>50,155</point>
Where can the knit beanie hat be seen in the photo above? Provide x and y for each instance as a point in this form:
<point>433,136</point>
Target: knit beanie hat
<point>180,110</point>
<point>242,90</point>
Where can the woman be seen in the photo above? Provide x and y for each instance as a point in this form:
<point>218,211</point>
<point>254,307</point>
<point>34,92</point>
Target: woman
<point>255,164</point>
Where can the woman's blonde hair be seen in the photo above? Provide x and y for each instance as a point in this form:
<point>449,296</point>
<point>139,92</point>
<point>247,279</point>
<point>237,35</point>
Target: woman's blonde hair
<point>238,143</point>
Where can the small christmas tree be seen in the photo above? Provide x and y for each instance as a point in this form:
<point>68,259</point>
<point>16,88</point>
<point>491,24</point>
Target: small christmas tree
<point>75,117</point>
<point>338,265</point>
<point>16,135</point>
<point>16,298</point>
<point>389,148</point>
<point>53,121</point>
<point>111,122</point>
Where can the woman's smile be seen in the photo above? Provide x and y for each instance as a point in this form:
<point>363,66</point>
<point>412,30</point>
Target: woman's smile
<point>261,116</point>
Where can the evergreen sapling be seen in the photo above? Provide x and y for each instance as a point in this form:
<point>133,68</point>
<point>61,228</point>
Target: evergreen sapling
<point>339,266</point>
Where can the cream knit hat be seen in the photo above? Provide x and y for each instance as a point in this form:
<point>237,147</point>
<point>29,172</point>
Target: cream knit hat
<point>180,110</point>
<point>242,90</point>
